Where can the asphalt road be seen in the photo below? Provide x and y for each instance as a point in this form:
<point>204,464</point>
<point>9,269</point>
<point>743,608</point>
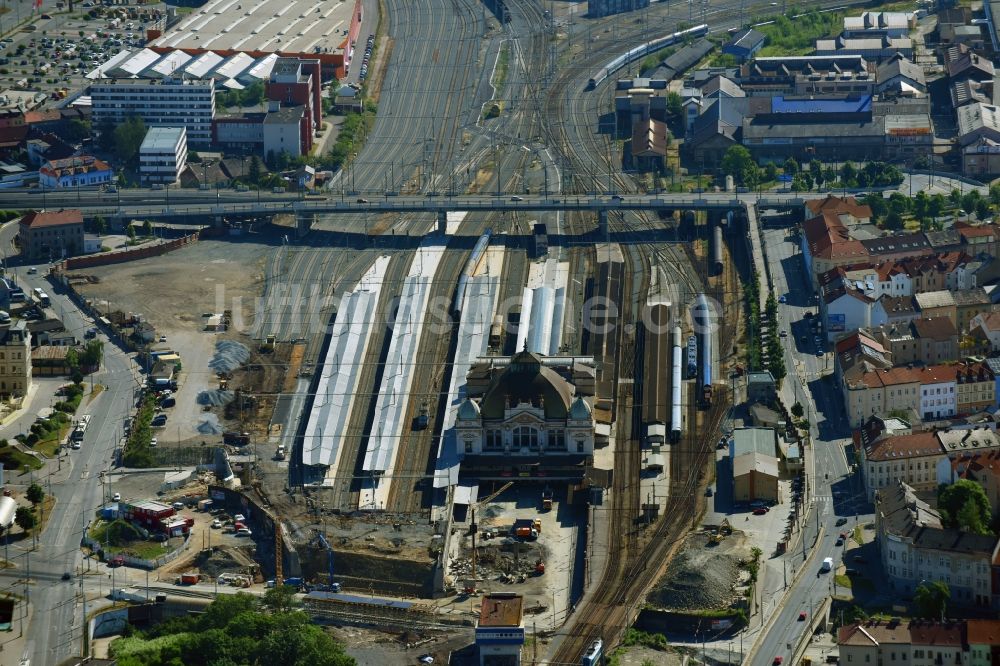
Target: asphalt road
<point>836,492</point>
<point>54,630</point>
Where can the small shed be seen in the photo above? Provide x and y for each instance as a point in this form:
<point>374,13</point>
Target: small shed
<point>744,44</point>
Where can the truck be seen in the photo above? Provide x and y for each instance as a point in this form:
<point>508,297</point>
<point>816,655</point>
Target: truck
<point>279,453</point>
<point>205,505</point>
<point>234,438</point>
<point>527,528</point>
<point>546,500</point>
<point>189,578</point>
<point>127,594</point>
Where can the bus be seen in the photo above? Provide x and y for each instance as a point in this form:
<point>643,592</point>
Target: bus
<point>41,297</point>
<point>79,430</point>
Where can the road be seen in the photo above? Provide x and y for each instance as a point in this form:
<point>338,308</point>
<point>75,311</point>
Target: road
<point>835,492</point>
<point>75,481</point>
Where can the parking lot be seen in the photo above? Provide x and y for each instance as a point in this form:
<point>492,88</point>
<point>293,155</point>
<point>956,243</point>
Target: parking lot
<point>53,54</point>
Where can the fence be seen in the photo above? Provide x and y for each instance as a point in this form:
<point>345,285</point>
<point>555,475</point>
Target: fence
<point>132,561</point>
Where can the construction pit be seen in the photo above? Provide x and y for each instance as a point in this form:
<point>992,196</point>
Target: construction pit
<point>505,562</point>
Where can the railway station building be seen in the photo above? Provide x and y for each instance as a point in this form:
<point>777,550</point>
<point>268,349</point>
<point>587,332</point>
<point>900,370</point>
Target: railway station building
<point>528,417</point>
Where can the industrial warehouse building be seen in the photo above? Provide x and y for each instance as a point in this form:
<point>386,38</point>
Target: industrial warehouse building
<point>753,455</point>
<point>236,42</point>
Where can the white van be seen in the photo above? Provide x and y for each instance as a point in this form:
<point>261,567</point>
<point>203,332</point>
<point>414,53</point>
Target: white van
<point>827,565</point>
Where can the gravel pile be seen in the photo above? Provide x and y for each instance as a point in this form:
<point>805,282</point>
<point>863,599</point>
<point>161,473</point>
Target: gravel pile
<point>209,425</point>
<point>215,397</point>
<point>697,579</point>
<point>229,355</point>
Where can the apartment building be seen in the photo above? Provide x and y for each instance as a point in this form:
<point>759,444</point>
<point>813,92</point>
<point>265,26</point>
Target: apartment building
<point>881,392</point>
<point>925,340</point>
<point>976,384</point>
<point>160,103</point>
<point>980,467</point>
<point>914,547</point>
<point>911,459</point>
<point>51,234</point>
<point>15,359</point>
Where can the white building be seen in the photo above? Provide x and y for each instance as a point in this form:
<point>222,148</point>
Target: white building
<point>938,392</point>
<point>163,155</point>
<point>160,103</point>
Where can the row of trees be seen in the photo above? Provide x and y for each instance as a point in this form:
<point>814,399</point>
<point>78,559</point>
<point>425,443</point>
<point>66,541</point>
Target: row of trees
<point>890,212</point>
<point>775,352</point>
<point>739,163</point>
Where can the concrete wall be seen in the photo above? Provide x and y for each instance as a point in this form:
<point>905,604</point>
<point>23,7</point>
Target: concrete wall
<point>141,252</point>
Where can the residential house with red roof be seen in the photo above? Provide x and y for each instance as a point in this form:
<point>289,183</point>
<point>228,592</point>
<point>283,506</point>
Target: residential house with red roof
<point>973,642</point>
<point>827,243</point>
<point>79,171</point>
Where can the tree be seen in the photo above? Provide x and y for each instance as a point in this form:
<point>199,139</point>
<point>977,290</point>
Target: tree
<point>25,518</point>
<point>770,171</point>
<point>279,599</point>
<point>893,221</point>
<point>790,167</point>
<point>128,138</point>
<point>35,494</point>
<point>848,174</point>
<point>77,130</point>
<point>254,171</point>
<point>130,232</point>
<point>964,505</point>
<point>100,225</point>
<point>147,228</point>
<point>932,599</point>
<point>675,113</point>
<point>106,135</point>
<point>92,354</point>
<point>738,163</point>
<point>798,410</point>
<point>816,171</point>
<point>982,209</point>
<point>829,175</point>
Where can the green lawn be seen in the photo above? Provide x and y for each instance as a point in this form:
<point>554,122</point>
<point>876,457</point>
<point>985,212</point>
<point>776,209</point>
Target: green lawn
<point>843,580</point>
<point>120,537</point>
<point>859,535</point>
<point>13,459</point>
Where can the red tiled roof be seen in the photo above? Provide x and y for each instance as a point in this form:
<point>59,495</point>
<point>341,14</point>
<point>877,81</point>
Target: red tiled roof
<point>36,219</point>
<point>935,328</point>
<point>904,446</point>
<point>948,634</point>
<point>975,231</point>
<point>890,377</point>
<point>49,115</point>
<point>70,165</point>
<point>835,204</point>
<point>12,136</point>
<point>982,632</point>
<point>827,237</point>
<point>990,321</point>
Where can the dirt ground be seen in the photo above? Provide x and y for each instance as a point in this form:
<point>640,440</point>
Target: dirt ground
<point>377,648</point>
<point>702,576</point>
<point>172,292</point>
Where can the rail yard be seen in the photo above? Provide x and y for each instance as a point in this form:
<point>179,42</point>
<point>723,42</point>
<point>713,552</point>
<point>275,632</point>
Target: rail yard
<point>426,419</point>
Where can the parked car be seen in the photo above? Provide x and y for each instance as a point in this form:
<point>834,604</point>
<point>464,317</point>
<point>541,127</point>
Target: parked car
<point>244,532</point>
<point>760,511</point>
<point>216,524</point>
<point>117,497</point>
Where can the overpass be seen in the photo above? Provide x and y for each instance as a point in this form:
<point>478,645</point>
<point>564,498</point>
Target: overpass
<point>146,204</point>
